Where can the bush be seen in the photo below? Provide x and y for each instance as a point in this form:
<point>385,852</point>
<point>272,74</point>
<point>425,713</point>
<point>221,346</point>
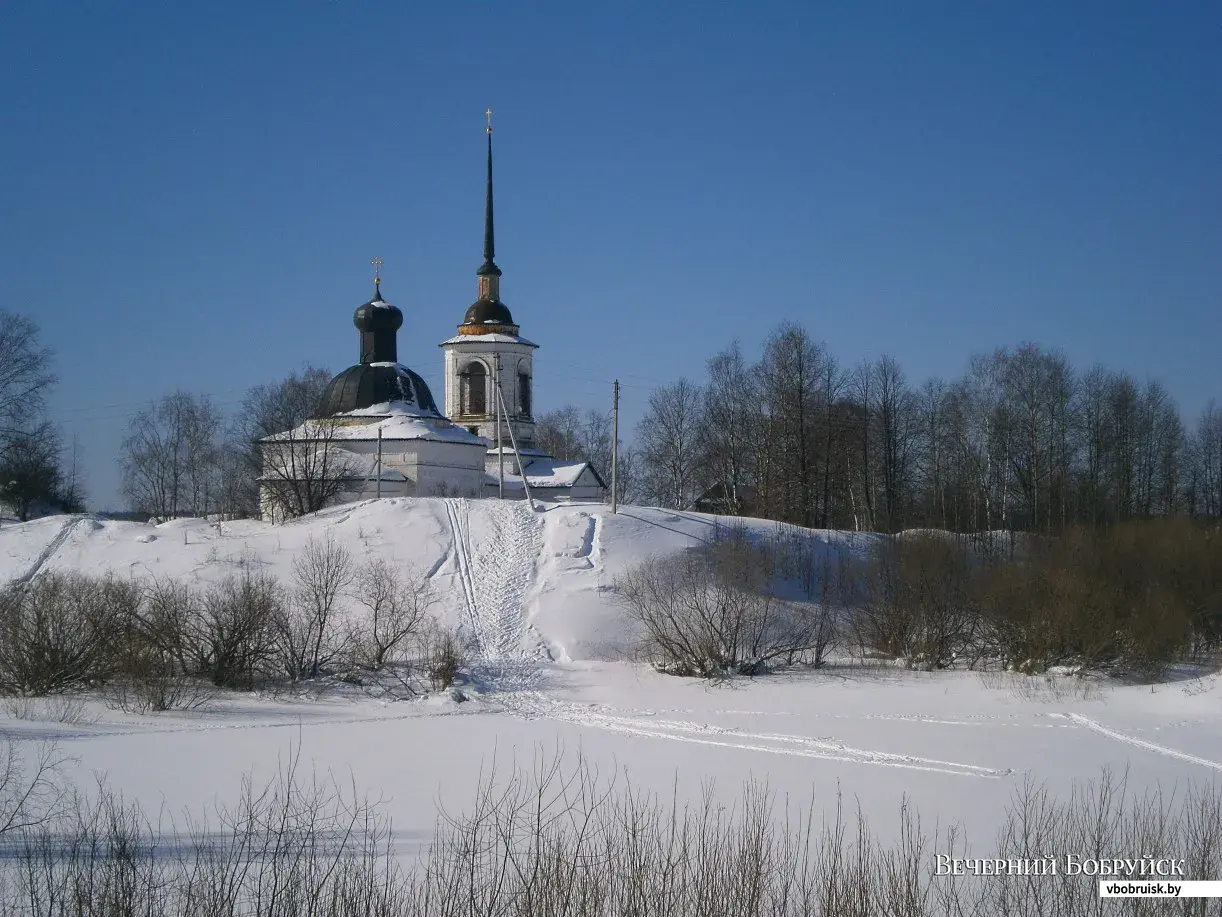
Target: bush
<point>60,632</point>
<point>233,638</point>
<point>443,656</point>
<point>1131,600</point>
<point>713,611</point>
<point>398,601</point>
<point>918,603</point>
<point>305,625</point>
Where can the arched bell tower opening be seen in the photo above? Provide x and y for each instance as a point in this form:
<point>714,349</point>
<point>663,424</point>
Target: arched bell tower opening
<point>473,390</point>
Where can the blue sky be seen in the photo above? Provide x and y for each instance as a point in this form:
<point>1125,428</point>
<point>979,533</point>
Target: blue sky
<point>192,195</point>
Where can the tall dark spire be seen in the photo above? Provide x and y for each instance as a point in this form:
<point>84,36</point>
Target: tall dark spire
<point>489,268</point>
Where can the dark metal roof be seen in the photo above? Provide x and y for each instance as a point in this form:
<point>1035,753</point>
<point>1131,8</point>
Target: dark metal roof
<point>377,315</point>
<point>368,384</point>
<point>488,312</point>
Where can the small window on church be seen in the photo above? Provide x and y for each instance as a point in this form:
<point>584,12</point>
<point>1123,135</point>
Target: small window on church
<point>524,394</point>
<point>474,383</point>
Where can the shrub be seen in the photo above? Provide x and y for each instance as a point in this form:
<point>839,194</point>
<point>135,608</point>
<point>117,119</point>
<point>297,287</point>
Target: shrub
<point>233,637</point>
<point>59,632</point>
<point>305,625</point>
<point>558,839</point>
<point>713,611</point>
<point>918,603</point>
<point>443,655</point>
<point>398,601</point>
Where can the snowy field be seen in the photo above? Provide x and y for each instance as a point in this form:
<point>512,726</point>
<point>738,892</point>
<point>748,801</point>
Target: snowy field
<point>532,588</point>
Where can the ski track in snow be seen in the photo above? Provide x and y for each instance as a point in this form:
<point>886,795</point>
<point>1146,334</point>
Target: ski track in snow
<point>533,705</point>
<point>49,551</point>
<point>456,512</point>
<point>1141,743</point>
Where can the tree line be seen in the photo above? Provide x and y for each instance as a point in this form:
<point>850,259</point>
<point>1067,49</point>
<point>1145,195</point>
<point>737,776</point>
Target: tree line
<point>1020,441</point>
<point>184,457</point>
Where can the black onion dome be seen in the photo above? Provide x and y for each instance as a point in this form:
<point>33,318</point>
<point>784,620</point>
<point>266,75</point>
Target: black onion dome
<point>488,312</point>
<point>367,384</point>
<point>377,315</point>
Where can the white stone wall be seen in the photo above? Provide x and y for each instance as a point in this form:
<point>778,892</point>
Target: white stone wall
<point>429,468</point>
<point>514,358</point>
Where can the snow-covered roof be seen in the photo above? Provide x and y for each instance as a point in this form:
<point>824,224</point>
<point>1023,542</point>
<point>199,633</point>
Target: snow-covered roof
<point>509,450</point>
<point>546,473</point>
<point>397,420</point>
<point>494,338</point>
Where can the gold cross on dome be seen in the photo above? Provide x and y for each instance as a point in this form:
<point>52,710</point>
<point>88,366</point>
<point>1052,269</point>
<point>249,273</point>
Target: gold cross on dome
<point>488,115</point>
<point>377,270</point>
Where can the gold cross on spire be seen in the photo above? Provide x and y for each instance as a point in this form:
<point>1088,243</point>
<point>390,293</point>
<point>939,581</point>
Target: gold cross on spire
<point>377,271</point>
<point>488,115</point>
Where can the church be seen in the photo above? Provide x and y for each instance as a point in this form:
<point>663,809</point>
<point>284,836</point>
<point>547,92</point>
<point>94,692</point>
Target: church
<point>377,432</point>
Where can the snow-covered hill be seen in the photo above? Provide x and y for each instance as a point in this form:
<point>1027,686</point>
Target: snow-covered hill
<point>521,580</point>
<point>531,590</point>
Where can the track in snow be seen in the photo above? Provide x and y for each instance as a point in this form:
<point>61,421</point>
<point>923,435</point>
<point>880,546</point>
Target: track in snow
<point>1141,743</point>
<point>533,705</point>
<point>49,551</point>
<point>496,574</point>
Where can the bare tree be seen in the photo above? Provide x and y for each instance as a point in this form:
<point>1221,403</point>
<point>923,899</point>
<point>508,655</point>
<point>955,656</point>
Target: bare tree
<point>29,795</point>
<point>305,468</point>
<point>31,473</point>
<point>669,436</point>
<point>730,424</point>
<point>321,573</point>
<point>281,457</point>
<point>25,375</point>
<point>1037,389</point>
<point>558,432</point>
<point>896,423</point>
<point>933,451</point>
<point>398,600</point>
<point>628,479</point>
<point>171,456</point>
<point>1206,463</point>
<point>570,435</point>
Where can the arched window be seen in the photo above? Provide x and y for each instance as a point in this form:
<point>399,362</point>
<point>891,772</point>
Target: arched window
<point>474,385</point>
<point>523,392</point>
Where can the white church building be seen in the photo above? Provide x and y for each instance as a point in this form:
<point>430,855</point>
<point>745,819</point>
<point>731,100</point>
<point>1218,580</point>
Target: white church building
<point>378,433</point>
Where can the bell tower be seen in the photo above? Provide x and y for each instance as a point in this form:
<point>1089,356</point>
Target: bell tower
<point>488,355</point>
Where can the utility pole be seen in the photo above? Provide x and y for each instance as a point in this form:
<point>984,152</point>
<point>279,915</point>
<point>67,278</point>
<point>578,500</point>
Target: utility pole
<point>379,484</point>
<point>614,444</point>
<point>500,444</point>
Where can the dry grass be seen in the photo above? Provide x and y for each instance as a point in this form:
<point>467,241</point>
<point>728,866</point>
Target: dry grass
<point>558,839</point>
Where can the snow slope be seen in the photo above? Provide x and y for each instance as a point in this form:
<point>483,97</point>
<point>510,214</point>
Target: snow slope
<point>530,590</point>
